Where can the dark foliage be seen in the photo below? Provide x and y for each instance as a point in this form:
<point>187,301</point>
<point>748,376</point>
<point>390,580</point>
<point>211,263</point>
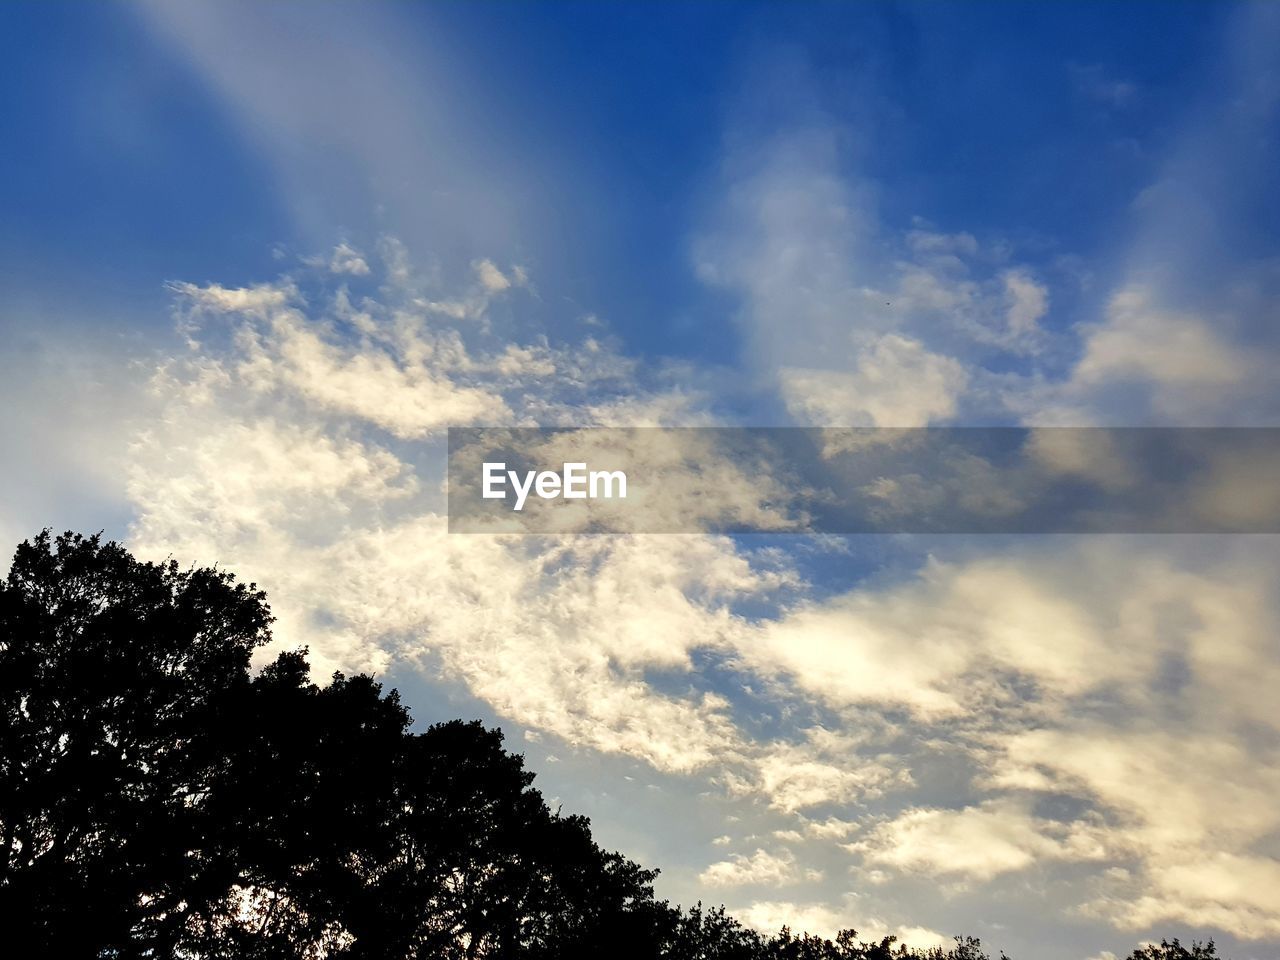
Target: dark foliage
<point>158,799</point>
<point>1173,950</point>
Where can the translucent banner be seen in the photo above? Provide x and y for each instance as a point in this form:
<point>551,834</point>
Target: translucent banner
<point>739,480</point>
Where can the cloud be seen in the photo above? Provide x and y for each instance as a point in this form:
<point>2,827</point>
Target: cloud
<point>981,842</point>
<point>1228,892</point>
<point>491,278</point>
<point>1136,684</point>
<point>404,376</point>
<point>822,769</point>
<point>1193,810</point>
<point>1169,350</point>
<point>348,260</point>
<point>833,828</point>
<point>284,455</point>
<point>895,383</point>
<point>760,869</point>
<point>1107,675</point>
<point>1087,454</point>
<point>770,916</point>
<point>1147,363</point>
<point>1037,674</point>
<point>931,644</point>
<point>1184,337</point>
<point>1028,303</point>
<point>851,321</point>
<point>257,301</point>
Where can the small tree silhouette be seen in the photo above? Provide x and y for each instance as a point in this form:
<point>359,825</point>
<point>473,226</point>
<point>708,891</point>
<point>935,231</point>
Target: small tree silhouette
<point>1173,950</point>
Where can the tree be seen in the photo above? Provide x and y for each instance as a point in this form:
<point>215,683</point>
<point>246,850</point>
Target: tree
<point>117,680</point>
<point>1173,950</point>
<point>157,799</point>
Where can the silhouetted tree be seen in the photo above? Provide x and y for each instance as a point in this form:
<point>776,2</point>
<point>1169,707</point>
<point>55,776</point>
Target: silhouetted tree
<point>118,684</point>
<point>158,799</point>
<point>847,946</point>
<point>1173,950</point>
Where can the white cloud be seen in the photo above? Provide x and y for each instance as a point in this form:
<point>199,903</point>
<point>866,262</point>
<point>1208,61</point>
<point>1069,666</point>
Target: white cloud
<point>257,301</point>
<point>820,919</point>
<point>894,382</point>
<point>1195,812</point>
<point>1037,672</point>
<point>491,278</point>
<point>770,916</point>
<point>824,768</point>
<point>760,869</point>
<point>1028,302</point>
<point>846,333</point>
<point>833,828</point>
<point>405,376</point>
<point>348,260</point>
<point>1148,364</point>
<point>281,456</point>
<point>1139,340</point>
<point>979,842</point>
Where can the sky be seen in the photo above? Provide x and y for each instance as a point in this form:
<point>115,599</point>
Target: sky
<point>256,259</point>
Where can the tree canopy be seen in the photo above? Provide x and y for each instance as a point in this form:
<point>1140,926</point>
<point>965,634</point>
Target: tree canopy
<point>158,798</point>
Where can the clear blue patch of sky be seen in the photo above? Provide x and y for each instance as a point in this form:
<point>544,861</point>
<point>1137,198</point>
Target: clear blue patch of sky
<point>120,169</point>
<point>117,170</point>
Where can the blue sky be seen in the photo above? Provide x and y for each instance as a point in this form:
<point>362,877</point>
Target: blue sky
<point>257,258</point>
<point>1037,122</point>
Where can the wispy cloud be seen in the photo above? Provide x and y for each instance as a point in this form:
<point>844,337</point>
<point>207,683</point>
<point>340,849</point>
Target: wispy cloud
<point>1038,672</point>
